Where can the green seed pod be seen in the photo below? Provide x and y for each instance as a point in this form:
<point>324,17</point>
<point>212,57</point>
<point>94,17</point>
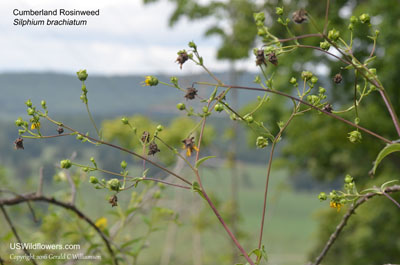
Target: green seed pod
<point>205,109</point>
<point>259,17</point>
<point>322,90</point>
<point>43,103</point>
<point>93,180</point>
<point>114,184</point>
<point>123,164</point>
<point>181,106</point>
<point>160,128</point>
<point>322,196</point>
<point>261,142</point>
<point>124,120</point>
<point>348,179</point>
<point>82,75</point>
<point>65,163</point>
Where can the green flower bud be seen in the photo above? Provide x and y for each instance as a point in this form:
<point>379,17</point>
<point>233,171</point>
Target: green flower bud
<point>259,17</point>
<point>313,99</point>
<point>365,18</point>
<point>205,109</point>
<point>357,120</point>
<point>348,179</point>
<point>30,111</point>
<point>306,75</point>
<point>192,45</point>
<point>377,32</point>
<point>28,103</point>
<point>174,80</point>
<point>353,19</point>
<point>65,163</point>
<point>124,120</point>
<point>322,90</point>
<point>219,107</point>
<point>161,185</point>
<point>157,195</point>
<point>343,201</point>
<point>293,81</point>
<point>314,79</point>
<point>324,45</point>
<point>279,11</point>
<point>19,122</point>
<point>82,75</point>
<point>114,184</point>
<point>322,196</point>
<point>351,26</point>
<point>98,187</point>
<point>261,142</point>
<point>150,81</point>
<point>93,180</point>
<point>333,35</point>
<point>249,119</point>
<point>79,137</point>
<point>43,103</point>
<point>85,169</point>
<point>181,106</point>
<point>350,185</point>
<point>355,136</point>
<point>92,160</point>
<point>160,128</point>
<point>123,164</point>
<point>261,32</point>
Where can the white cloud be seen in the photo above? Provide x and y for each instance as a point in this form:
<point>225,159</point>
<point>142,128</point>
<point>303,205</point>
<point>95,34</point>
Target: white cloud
<point>126,38</point>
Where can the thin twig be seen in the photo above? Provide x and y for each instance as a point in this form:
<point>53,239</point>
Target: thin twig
<point>314,107</point>
<point>14,230</point>
<point>326,16</point>
<point>346,217</point>
<point>390,198</point>
<point>33,197</point>
<point>121,149</point>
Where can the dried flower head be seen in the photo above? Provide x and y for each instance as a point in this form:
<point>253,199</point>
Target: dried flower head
<point>153,149</point>
<point>337,78</point>
<point>113,200</point>
<point>299,16</point>
<point>191,93</point>
<point>189,145</point>
<point>145,137</point>
<point>19,143</point>
<point>182,58</point>
<point>273,59</point>
<point>60,130</point>
<point>328,108</point>
<point>260,58</point>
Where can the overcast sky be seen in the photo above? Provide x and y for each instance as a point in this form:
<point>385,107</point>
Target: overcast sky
<point>127,38</point>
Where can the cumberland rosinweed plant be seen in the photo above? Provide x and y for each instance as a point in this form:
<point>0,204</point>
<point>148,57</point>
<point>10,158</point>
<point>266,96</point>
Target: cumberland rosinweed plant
<point>309,96</point>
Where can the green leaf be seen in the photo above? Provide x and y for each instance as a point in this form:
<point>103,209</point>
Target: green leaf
<point>201,160</point>
<point>130,242</point>
<point>196,188</point>
<point>385,152</point>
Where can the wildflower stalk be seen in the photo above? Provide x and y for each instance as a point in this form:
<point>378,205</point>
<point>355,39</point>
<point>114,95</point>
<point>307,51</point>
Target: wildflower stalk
<point>121,149</point>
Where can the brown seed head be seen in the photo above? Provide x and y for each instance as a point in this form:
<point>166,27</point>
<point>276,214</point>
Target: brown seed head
<point>337,78</point>
<point>273,59</point>
<point>182,58</point>
<point>113,200</point>
<point>145,137</point>
<point>299,16</point>
<point>19,143</point>
<point>328,108</point>
<point>191,93</point>
<point>153,149</point>
<point>260,58</point>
